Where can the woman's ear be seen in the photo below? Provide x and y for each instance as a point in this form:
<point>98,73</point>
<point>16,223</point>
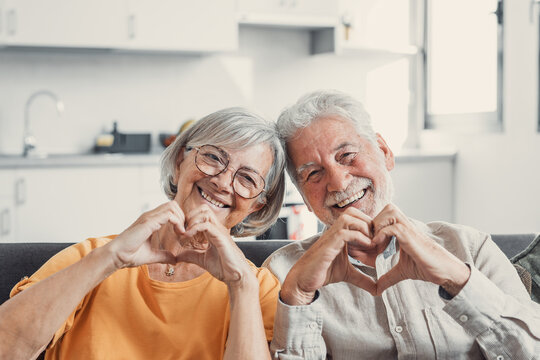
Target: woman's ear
<point>258,205</point>
<point>179,159</point>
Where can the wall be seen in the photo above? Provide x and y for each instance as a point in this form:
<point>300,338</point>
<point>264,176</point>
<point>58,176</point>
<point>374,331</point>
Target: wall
<point>149,92</point>
<point>498,175</point>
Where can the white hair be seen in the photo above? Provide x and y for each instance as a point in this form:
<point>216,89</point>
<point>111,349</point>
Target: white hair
<point>319,104</point>
<point>234,128</point>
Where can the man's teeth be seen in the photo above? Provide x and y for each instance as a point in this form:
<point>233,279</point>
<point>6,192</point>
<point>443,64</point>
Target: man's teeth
<point>355,197</point>
<point>212,201</point>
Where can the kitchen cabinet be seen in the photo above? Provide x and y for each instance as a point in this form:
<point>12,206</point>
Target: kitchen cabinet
<point>69,204</point>
<point>378,28</point>
<point>7,206</point>
<point>167,25</point>
<point>64,23</point>
<point>295,13</point>
<point>182,25</point>
<point>151,193</point>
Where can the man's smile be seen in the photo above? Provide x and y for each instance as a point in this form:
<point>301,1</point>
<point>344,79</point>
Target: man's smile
<point>351,200</point>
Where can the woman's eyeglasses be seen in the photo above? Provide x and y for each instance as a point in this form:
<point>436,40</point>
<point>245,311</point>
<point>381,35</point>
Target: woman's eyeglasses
<point>212,160</point>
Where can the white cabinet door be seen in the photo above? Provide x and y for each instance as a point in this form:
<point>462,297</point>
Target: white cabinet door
<point>64,23</point>
<point>71,204</point>
<point>152,194</point>
<point>309,13</point>
<point>7,201</point>
<point>182,25</point>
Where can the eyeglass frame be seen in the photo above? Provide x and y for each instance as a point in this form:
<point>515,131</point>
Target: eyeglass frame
<point>228,159</point>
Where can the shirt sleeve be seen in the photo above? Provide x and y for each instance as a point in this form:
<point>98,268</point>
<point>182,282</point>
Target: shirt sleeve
<point>63,259</point>
<point>268,294</point>
<point>298,332</point>
<point>494,308</point>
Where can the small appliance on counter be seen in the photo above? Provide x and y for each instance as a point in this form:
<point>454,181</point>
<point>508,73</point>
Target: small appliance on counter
<point>116,142</point>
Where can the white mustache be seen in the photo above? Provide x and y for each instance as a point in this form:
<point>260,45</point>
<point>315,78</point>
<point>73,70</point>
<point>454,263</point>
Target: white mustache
<point>358,184</point>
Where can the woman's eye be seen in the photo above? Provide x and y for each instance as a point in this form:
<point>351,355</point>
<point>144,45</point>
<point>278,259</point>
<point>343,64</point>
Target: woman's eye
<point>213,158</point>
<point>248,179</point>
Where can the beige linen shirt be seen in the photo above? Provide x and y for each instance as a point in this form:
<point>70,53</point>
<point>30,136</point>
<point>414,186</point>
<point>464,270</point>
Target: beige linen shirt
<point>492,317</point>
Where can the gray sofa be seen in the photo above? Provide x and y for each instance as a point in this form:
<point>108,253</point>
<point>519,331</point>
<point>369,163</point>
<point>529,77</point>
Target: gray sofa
<point>23,259</point>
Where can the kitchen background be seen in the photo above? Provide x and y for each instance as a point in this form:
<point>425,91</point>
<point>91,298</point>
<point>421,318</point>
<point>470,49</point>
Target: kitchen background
<point>152,66</point>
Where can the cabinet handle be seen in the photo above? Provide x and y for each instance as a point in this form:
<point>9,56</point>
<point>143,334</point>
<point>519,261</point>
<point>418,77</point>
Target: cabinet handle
<point>20,192</point>
<point>5,222</point>
<point>131,26</point>
<point>11,22</point>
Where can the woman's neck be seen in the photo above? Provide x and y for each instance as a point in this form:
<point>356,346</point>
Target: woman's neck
<point>166,239</point>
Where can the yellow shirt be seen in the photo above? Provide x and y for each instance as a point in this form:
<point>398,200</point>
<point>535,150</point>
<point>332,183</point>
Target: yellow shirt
<point>130,316</point>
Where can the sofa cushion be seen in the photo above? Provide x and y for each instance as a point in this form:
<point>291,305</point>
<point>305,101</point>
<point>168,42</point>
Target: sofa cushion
<point>530,260</point>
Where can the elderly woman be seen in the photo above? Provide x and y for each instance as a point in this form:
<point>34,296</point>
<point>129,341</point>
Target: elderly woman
<point>173,285</point>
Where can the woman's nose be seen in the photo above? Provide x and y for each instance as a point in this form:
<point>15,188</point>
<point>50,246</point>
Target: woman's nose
<point>224,180</point>
<point>338,178</point>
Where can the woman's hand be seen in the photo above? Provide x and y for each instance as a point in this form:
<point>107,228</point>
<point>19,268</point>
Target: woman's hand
<point>132,247</point>
<point>214,249</point>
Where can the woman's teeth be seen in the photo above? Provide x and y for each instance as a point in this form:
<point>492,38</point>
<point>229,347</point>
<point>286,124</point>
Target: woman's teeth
<point>353,198</point>
<point>210,200</point>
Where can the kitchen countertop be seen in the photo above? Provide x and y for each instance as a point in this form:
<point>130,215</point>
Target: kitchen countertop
<point>78,160</point>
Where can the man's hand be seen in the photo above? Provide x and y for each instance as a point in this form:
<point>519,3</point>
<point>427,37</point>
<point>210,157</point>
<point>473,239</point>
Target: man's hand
<point>420,257</point>
<point>327,260</point>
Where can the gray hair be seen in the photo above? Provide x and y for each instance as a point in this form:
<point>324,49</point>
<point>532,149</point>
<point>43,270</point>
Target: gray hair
<point>234,128</point>
<point>320,104</point>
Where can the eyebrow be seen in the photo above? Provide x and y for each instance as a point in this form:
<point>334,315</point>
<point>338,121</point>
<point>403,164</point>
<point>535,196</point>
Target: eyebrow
<point>312,163</point>
<point>301,168</point>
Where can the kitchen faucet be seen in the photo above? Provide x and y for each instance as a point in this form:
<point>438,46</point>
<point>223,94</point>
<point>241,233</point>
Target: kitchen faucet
<point>29,139</point>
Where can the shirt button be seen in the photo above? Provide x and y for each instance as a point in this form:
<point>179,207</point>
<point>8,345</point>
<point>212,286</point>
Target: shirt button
<point>463,318</point>
<point>500,357</point>
<point>313,325</point>
<point>398,329</point>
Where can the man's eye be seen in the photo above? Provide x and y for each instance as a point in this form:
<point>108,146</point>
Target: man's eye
<point>348,157</point>
<point>313,176</point>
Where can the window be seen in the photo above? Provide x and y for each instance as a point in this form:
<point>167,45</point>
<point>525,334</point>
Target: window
<point>464,65</point>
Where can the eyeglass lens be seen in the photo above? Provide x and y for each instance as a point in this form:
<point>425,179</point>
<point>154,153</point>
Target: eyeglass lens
<point>212,161</point>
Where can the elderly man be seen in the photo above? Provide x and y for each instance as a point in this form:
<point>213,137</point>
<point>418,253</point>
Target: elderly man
<point>377,284</point>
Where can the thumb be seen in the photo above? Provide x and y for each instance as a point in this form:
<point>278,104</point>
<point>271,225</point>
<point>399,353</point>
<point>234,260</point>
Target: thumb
<point>356,278</point>
<point>392,277</point>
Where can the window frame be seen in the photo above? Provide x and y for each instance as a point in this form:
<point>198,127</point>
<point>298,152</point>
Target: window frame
<point>466,122</point>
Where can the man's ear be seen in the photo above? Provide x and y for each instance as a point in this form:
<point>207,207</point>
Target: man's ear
<point>387,152</point>
<point>179,159</point>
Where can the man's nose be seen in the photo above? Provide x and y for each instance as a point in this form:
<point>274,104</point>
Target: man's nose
<point>338,178</point>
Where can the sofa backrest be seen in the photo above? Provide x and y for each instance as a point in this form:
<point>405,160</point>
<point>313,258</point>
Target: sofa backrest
<point>23,259</point>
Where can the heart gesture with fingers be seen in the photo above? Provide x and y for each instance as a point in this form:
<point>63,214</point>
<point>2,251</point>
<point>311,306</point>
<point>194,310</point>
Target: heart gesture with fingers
<point>420,258</point>
<point>327,260</point>
<point>213,249</point>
